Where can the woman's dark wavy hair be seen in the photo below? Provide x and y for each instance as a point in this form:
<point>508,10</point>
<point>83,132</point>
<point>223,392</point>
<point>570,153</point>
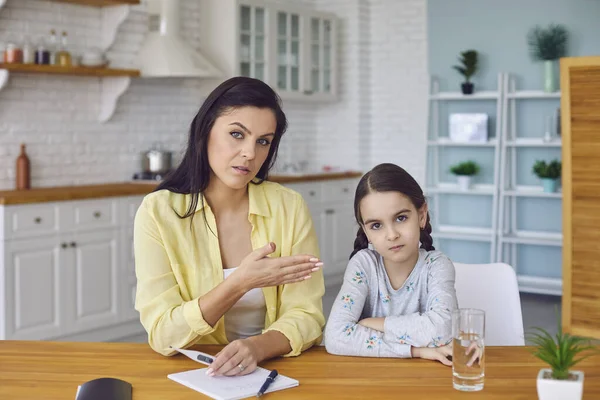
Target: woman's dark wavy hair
<point>193,173</point>
<point>389,178</point>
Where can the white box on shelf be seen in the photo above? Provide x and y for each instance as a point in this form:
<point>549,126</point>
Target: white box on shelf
<point>471,127</point>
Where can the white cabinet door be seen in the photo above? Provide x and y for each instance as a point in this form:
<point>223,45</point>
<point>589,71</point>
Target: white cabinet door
<point>95,278</point>
<point>289,45</point>
<point>322,56</point>
<point>35,288</point>
<point>339,232</point>
<point>252,40</point>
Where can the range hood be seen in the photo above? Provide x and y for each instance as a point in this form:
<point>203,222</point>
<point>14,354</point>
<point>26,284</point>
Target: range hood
<point>164,52</point>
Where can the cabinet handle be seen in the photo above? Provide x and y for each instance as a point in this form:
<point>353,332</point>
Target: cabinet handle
<point>345,190</point>
<point>312,193</point>
<point>329,211</point>
<point>37,220</point>
<point>63,245</point>
<point>73,244</point>
<point>308,92</point>
<point>97,214</point>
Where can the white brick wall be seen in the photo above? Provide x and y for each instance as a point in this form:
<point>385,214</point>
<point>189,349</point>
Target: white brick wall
<point>381,115</point>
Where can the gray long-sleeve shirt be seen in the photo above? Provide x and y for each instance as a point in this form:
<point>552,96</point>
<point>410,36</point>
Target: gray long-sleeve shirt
<point>417,314</point>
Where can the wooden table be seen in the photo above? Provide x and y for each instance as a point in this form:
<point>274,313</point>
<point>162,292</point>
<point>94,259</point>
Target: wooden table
<point>53,370</point>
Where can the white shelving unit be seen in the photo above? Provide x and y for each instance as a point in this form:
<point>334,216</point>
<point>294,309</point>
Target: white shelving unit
<point>509,236</point>
<point>436,189</point>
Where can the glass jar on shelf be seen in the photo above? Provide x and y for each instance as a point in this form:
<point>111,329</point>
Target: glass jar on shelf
<point>13,53</point>
<point>42,53</point>
<point>28,51</point>
<point>63,57</point>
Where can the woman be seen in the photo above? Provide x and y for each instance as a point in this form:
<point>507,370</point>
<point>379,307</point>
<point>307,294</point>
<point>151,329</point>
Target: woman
<point>223,256</point>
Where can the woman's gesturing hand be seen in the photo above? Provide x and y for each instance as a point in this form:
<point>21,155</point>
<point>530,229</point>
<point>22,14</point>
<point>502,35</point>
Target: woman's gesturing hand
<point>257,270</point>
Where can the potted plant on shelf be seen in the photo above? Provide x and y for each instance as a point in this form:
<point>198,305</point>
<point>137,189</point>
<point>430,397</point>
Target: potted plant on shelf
<point>561,353</point>
<point>468,59</point>
<point>549,173</point>
<point>548,45</point>
<point>464,171</point>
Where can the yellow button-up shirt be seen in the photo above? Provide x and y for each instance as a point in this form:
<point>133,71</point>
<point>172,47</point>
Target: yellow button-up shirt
<point>176,264</point>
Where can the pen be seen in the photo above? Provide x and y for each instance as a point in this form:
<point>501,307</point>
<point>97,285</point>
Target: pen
<point>268,382</point>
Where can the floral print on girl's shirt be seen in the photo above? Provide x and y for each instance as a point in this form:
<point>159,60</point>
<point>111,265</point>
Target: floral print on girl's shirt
<point>348,301</point>
<point>372,341</point>
<point>359,277</point>
<point>410,287</point>
<point>403,338</point>
<point>385,298</point>
<point>348,329</point>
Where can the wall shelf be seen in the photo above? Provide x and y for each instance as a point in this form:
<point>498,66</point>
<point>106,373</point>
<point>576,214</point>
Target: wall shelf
<point>484,95</point>
<point>481,190</point>
<point>537,192</point>
<point>447,142</point>
<point>533,142</point>
<point>99,3</point>
<point>532,94</point>
<point>76,71</point>
<point>114,81</point>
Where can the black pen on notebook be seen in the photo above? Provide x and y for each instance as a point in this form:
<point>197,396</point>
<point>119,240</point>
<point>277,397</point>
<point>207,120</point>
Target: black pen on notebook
<point>267,383</point>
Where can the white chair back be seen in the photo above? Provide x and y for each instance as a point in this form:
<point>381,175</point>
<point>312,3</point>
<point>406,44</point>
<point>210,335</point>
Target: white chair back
<point>494,289</point>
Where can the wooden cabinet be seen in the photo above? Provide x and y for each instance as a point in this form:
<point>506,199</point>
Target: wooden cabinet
<point>293,49</point>
<point>580,111</point>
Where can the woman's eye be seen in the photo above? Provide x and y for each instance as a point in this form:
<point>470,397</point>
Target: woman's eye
<point>263,142</point>
<point>376,226</point>
<point>237,135</point>
<point>401,218</point>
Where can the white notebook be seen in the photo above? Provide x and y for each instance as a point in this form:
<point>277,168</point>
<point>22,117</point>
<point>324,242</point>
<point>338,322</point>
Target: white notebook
<point>231,387</point>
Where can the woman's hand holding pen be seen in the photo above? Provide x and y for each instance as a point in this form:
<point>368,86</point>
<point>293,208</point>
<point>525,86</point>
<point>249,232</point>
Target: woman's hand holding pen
<point>257,270</point>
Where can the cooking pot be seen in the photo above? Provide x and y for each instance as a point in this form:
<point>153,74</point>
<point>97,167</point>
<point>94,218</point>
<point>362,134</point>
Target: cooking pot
<point>156,161</point>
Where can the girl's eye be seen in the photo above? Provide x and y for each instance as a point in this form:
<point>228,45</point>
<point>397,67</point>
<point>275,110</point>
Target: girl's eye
<point>237,135</point>
<point>376,226</point>
<point>401,218</point>
<point>263,142</point>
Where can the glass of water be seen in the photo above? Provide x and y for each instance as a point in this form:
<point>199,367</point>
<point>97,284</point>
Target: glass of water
<point>468,360</point>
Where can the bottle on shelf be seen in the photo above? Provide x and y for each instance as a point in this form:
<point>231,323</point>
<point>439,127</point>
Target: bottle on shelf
<point>23,172</point>
<point>63,57</point>
<point>52,46</point>
<point>42,53</point>
<point>28,51</point>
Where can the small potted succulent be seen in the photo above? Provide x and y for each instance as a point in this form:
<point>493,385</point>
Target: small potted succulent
<point>468,67</point>
<point>464,171</point>
<point>561,352</point>
<point>549,173</point>
<point>548,45</point>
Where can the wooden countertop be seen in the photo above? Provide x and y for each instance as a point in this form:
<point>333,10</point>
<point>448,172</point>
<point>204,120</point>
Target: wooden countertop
<point>63,193</point>
<point>53,370</point>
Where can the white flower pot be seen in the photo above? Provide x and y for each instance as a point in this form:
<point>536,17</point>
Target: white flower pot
<point>464,182</point>
<point>553,389</point>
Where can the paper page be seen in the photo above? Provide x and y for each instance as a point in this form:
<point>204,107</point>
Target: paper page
<point>231,388</point>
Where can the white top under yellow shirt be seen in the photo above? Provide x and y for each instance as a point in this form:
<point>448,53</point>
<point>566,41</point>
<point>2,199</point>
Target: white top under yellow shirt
<point>176,264</point>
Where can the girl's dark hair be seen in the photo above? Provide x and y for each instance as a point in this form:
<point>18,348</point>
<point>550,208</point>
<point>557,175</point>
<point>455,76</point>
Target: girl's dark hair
<point>389,178</point>
<point>193,173</point>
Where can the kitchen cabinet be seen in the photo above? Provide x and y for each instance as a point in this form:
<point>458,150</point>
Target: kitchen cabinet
<point>293,49</point>
<point>331,204</point>
<point>66,270</point>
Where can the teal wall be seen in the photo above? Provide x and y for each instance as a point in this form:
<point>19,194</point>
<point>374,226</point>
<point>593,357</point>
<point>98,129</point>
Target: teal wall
<point>498,29</point>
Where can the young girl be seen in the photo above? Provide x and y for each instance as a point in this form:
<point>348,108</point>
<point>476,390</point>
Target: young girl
<point>397,298</point>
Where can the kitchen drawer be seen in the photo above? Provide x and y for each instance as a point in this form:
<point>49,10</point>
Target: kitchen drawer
<point>310,191</point>
<point>89,214</point>
<point>339,190</point>
<point>30,220</point>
